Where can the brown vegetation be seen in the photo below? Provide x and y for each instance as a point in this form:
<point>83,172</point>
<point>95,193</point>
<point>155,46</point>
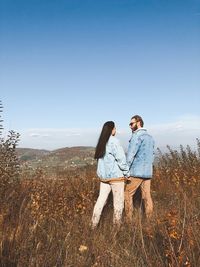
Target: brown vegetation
<point>45,219</point>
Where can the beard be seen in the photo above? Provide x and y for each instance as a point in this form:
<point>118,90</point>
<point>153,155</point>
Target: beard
<point>134,128</point>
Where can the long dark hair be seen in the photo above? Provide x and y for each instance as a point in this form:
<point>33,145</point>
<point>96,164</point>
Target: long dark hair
<point>103,139</point>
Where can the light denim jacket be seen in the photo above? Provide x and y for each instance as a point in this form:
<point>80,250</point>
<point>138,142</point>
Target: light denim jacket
<point>113,165</point>
<point>140,154</point>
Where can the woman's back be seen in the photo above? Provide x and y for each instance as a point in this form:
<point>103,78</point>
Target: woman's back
<point>113,164</point>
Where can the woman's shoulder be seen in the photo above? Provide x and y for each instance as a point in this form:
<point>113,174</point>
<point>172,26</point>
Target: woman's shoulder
<point>113,140</point>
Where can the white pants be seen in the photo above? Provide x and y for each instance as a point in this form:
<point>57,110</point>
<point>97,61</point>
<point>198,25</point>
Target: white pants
<point>117,189</point>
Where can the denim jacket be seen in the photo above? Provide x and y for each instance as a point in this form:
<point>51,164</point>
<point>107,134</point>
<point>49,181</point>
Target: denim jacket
<point>140,154</point>
<point>113,165</point>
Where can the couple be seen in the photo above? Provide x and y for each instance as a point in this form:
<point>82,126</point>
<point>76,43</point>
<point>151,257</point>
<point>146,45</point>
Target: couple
<point>117,172</point>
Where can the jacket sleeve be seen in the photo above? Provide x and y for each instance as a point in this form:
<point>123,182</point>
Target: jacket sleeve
<point>133,148</point>
<point>120,157</point>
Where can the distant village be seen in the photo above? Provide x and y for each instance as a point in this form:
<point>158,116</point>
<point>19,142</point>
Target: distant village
<point>66,158</point>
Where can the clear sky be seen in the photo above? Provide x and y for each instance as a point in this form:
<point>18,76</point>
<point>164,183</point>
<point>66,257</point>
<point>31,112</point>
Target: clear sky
<point>67,66</point>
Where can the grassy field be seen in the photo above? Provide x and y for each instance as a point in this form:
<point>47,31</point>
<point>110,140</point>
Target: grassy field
<point>45,219</point>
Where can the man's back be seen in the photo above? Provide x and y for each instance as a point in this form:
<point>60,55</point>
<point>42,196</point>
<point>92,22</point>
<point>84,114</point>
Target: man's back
<point>140,154</point>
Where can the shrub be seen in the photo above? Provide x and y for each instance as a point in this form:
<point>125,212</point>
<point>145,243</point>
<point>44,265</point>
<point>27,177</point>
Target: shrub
<point>9,165</point>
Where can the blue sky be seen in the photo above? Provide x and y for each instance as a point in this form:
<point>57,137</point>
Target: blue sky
<point>68,66</point>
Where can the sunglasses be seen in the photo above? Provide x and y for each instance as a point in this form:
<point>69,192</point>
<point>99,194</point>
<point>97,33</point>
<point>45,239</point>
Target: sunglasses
<point>131,123</point>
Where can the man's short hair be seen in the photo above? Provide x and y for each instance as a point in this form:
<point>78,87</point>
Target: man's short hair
<point>138,119</point>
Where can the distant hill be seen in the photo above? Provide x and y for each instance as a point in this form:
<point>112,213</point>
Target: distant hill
<point>26,154</point>
<point>63,157</point>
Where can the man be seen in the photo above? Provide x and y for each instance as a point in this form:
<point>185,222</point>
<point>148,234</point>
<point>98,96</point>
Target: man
<point>140,157</point>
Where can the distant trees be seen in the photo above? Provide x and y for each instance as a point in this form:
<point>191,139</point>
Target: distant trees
<point>1,126</point>
<point>9,166</point>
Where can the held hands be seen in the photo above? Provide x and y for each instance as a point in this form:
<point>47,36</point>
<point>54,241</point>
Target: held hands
<point>128,178</point>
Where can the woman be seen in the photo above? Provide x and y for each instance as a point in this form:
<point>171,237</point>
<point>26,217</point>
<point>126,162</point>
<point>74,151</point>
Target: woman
<point>112,170</point>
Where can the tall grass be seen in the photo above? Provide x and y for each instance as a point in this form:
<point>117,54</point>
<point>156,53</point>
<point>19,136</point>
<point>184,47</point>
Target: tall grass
<point>47,223</point>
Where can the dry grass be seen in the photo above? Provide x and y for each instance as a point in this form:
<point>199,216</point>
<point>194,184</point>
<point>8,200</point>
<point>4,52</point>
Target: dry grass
<point>45,221</point>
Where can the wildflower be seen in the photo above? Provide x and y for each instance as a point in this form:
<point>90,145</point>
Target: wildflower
<point>82,248</point>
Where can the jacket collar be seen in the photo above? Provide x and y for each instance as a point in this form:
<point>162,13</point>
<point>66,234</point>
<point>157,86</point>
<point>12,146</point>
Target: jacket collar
<point>140,129</point>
